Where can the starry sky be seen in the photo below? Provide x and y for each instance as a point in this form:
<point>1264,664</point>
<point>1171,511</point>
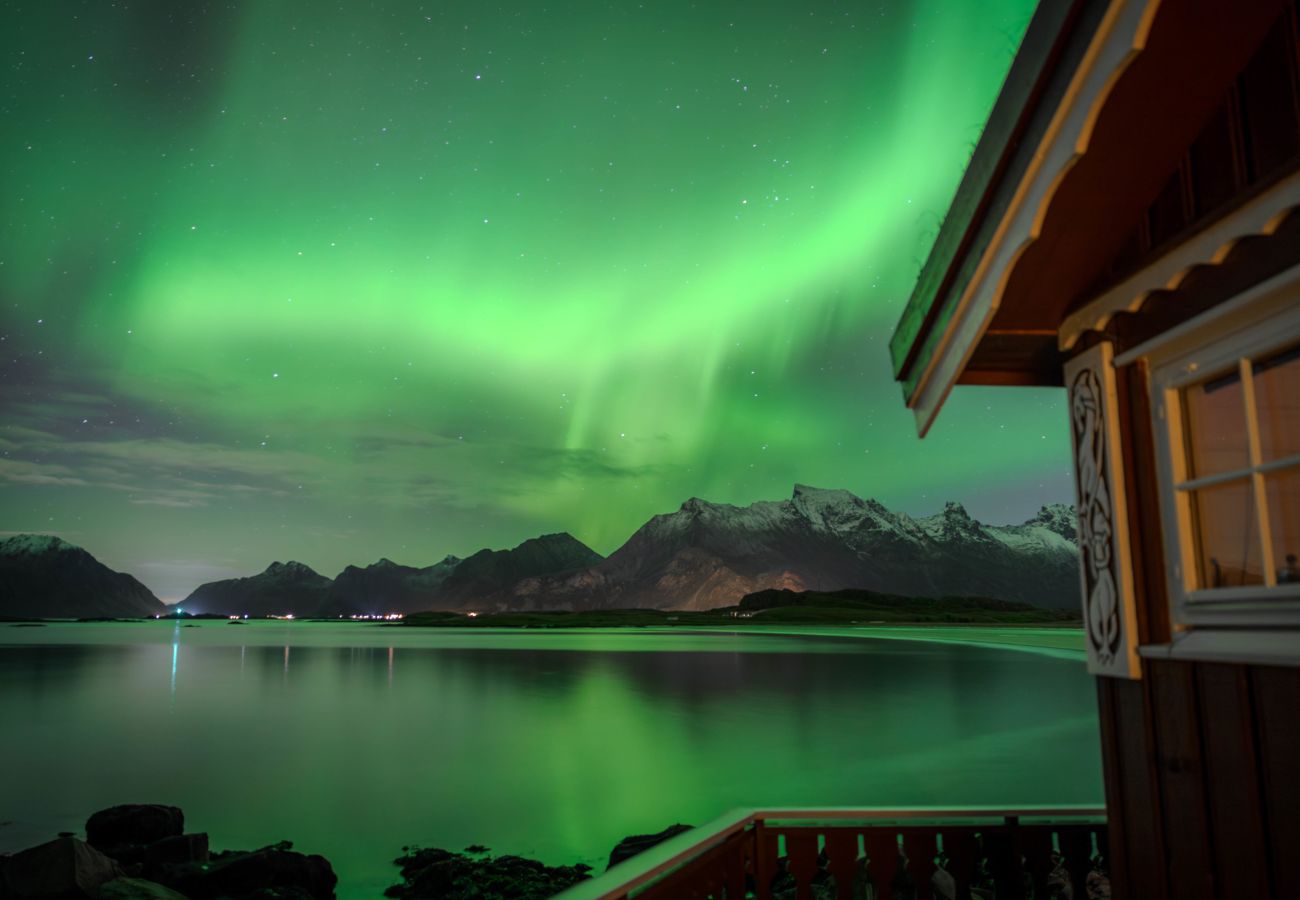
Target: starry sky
<point>332,282</point>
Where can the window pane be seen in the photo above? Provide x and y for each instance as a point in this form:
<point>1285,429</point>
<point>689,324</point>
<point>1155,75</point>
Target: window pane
<point>1282,493</point>
<point>1215,423</point>
<point>1227,535</point>
<point>1277,395</point>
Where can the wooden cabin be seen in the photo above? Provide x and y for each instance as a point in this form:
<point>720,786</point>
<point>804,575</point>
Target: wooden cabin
<point>1128,230</point>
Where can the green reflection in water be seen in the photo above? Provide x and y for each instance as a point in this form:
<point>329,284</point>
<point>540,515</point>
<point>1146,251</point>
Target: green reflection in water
<point>356,740</point>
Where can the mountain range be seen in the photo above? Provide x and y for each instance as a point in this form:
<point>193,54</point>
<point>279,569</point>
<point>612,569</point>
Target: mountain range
<point>701,556</point>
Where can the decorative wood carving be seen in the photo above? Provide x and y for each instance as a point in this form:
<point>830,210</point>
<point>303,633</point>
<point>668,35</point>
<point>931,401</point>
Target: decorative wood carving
<point>1105,569</point>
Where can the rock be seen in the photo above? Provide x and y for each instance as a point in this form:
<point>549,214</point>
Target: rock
<point>633,844</point>
<point>179,848</point>
<point>283,872</point>
<point>434,872</point>
<point>135,889</point>
<point>63,868</point>
<point>133,824</point>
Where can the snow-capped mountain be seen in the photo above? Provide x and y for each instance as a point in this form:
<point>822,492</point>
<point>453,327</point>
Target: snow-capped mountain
<point>706,555</point>
<point>42,576</point>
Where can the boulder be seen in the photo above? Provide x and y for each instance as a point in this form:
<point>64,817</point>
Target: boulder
<point>63,869</point>
<point>440,873</point>
<point>137,823</point>
<point>277,869</point>
<point>633,844</point>
<point>135,889</point>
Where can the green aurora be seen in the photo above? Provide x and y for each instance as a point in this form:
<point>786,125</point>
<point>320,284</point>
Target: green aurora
<point>287,280</point>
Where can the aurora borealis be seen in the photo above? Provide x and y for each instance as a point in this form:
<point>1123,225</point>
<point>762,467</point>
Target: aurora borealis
<point>282,280</point>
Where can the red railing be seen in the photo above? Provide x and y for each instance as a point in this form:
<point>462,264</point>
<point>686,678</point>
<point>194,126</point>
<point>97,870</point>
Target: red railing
<point>870,854</point>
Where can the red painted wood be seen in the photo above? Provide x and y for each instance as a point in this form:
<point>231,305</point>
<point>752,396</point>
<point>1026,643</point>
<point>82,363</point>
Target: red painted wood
<point>1277,732</point>
<point>959,844</point>
<point>1036,845</point>
<point>801,850</point>
<point>1141,814</point>
<point>1182,780</point>
<point>1116,851</point>
<point>765,853</point>
<point>1238,841</point>
<point>882,849</point>
<point>842,853</point>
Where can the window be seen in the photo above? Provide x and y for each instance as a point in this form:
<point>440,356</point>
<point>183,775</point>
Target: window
<point>1241,431</point>
<point>1226,392</point>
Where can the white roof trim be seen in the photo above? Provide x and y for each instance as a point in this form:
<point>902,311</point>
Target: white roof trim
<point>1121,36</point>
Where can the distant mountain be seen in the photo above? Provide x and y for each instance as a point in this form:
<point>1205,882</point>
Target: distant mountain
<point>707,555</point>
<point>492,573</point>
<point>386,587</point>
<point>46,577</point>
<point>283,588</point>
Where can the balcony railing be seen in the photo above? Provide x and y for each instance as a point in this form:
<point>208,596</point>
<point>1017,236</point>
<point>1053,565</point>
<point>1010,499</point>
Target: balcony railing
<point>870,854</point>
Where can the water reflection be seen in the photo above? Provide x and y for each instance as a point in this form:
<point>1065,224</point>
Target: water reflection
<point>520,747</point>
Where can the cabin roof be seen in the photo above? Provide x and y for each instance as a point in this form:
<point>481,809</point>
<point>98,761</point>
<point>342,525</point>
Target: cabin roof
<point>995,167</point>
<point>1100,105</point>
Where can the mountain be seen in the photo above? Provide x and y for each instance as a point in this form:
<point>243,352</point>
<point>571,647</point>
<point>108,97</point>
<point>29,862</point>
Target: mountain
<point>283,588</point>
<point>386,587</point>
<point>707,555</point>
<point>46,577</point>
<point>492,573</point>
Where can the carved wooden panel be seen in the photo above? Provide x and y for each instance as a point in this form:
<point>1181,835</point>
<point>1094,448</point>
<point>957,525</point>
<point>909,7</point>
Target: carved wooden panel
<point>1109,617</point>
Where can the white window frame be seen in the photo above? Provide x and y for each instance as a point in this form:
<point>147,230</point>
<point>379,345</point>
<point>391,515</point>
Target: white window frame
<point>1236,623</point>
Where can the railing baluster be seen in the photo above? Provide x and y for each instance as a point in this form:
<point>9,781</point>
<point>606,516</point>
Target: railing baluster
<point>842,853</point>
<point>765,860</point>
<point>1036,846</point>
<point>882,851</point>
<point>1076,846</point>
<point>801,849</point>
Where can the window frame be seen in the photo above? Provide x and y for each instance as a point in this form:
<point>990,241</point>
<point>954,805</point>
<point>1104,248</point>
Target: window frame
<point>1259,322</point>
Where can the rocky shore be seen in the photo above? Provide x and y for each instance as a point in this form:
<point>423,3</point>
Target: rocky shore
<point>143,852</point>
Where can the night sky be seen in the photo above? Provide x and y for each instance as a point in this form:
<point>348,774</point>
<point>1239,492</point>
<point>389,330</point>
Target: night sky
<point>332,282</point>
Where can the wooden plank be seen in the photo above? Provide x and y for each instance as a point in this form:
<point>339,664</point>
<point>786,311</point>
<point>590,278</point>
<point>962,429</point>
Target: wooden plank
<point>1141,481</point>
<point>1116,851</point>
<point>842,856</point>
<point>801,851</point>
<point>882,850</point>
<point>1232,781</point>
<point>1143,822</point>
<point>1181,779</point>
<point>1277,733</point>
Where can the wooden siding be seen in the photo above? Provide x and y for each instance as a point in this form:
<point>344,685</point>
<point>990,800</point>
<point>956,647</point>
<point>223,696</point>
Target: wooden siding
<point>1202,781</point>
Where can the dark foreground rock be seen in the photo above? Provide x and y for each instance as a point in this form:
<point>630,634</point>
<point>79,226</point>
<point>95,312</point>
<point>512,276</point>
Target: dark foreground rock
<point>136,823</point>
<point>64,867</point>
<point>636,843</point>
<point>142,852</point>
<point>135,889</point>
<point>271,872</point>
<point>454,876</point>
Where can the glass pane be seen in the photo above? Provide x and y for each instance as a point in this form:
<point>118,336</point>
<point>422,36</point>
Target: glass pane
<point>1227,535</point>
<point>1277,395</point>
<point>1282,493</point>
<point>1215,423</point>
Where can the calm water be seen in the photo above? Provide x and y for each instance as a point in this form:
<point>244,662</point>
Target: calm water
<point>353,740</point>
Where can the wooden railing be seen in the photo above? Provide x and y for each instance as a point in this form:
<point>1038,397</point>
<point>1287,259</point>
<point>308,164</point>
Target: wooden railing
<point>870,854</point>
